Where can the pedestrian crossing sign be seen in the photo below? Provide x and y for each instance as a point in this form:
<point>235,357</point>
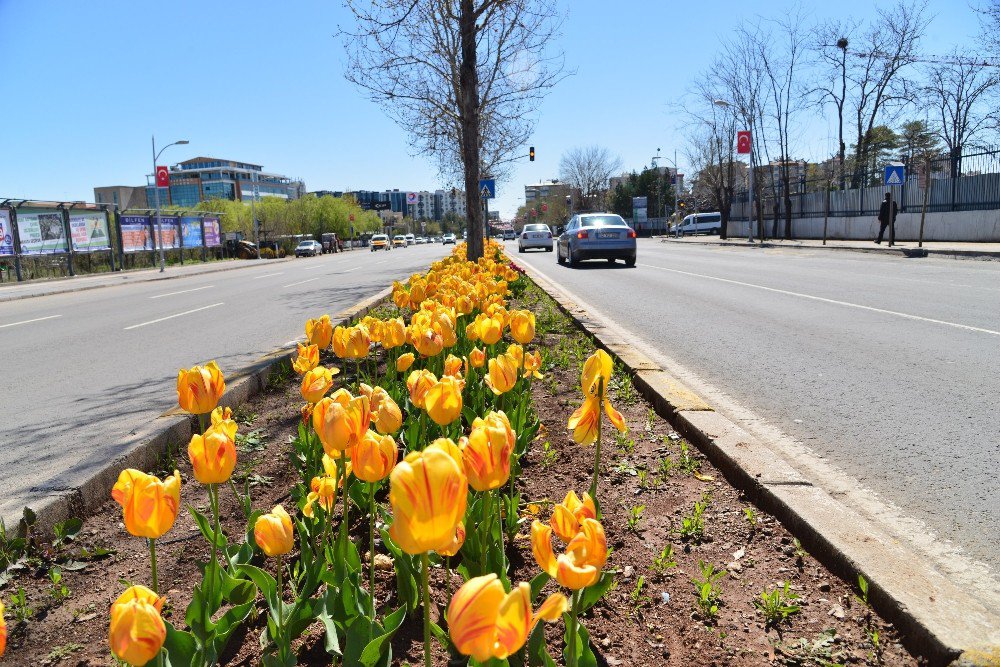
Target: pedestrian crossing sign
<point>895,174</point>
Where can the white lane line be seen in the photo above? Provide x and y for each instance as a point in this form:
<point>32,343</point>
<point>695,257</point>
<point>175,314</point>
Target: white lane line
<point>183,291</point>
<point>37,319</point>
<point>269,275</point>
<point>303,282</point>
<point>313,268</point>
<point>835,302</point>
<point>170,317</point>
<point>347,270</point>
<point>382,262</point>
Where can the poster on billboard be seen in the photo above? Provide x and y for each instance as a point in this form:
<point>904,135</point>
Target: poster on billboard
<point>639,209</point>
<point>191,232</point>
<point>213,235</point>
<point>41,231</point>
<point>171,231</point>
<point>89,231</point>
<point>6,234</point>
<point>135,233</point>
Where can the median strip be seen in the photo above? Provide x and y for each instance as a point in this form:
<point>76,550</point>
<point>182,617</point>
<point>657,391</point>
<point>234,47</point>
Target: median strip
<point>170,317</point>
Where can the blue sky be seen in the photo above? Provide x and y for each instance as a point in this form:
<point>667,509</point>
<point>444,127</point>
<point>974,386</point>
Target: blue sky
<point>88,83</point>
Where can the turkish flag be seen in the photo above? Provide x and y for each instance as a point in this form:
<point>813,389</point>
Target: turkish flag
<point>743,143</point>
<point>162,177</point>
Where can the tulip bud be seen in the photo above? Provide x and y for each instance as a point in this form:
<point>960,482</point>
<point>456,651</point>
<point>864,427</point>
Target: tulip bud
<point>393,333</point>
<point>486,453</point>
<point>385,413</point>
<point>477,358</point>
<point>149,506</point>
<point>274,533</point>
<point>502,374</point>
<point>213,455</point>
<point>137,632</point>
<point>404,362</point>
<point>418,383</point>
<point>316,383</point>
<point>374,457</point>
<point>453,366</point>
<point>522,326</point>
<point>199,388</point>
<point>307,360</point>
<point>320,332</point>
<point>443,400</point>
<point>427,491</point>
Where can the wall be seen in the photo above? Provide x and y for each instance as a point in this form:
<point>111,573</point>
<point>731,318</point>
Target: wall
<point>982,226</point>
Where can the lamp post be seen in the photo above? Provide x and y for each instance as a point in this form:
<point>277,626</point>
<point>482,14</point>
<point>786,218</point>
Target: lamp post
<point>156,196</point>
<point>677,191</point>
<point>724,103</point>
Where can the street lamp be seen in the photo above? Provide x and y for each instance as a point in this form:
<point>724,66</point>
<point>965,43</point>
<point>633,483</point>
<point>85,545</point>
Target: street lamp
<point>677,186</point>
<point>156,195</point>
<point>725,104</point>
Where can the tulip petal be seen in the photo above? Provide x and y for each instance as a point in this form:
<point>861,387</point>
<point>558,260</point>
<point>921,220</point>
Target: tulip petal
<point>513,621</point>
<point>472,616</point>
<point>541,547</point>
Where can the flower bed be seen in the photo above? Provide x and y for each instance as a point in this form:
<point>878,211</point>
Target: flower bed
<point>450,431</point>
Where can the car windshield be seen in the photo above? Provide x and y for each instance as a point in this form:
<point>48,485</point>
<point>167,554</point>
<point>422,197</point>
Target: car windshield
<point>602,221</point>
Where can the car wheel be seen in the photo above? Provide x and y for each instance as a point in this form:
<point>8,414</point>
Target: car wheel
<point>611,260</point>
<point>559,257</point>
<point>549,249</point>
<point>630,261</point>
<point>573,260</point>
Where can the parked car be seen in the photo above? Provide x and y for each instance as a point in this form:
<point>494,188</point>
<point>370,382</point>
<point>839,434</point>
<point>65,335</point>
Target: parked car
<point>379,242</point>
<point>331,242</point>
<point>308,249</point>
<point>420,240</point>
<point>596,236</point>
<point>535,236</point>
<point>509,235</point>
<point>699,223</point>
<point>411,239</point>
<point>399,241</point>
<point>448,238</point>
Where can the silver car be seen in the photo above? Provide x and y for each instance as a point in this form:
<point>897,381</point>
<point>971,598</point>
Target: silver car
<point>535,236</point>
<point>596,236</point>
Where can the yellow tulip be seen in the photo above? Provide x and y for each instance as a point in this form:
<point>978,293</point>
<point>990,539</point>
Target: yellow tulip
<point>137,632</point>
<point>385,413</point>
<point>477,358</point>
<point>274,533</point>
<point>404,362</point>
<point>212,455</point>
<point>427,491</point>
<point>316,383</point>
<point>3,631</point>
<point>598,366</point>
<point>373,326</point>
<point>307,360</point>
<point>427,340</point>
<point>486,452</point>
<point>566,516</point>
<point>522,326</point>
<point>444,322</point>
<point>417,293</point>
<point>448,446</point>
<point>463,304</point>
<point>583,421</point>
<point>472,332</point>
<point>533,362</point>
<point>502,374</point>
<point>516,352</point>
<point>484,622</point>
<point>199,388</point>
<point>443,400</point>
<point>488,329</point>
<point>322,490</point>
<point>418,383</point>
<point>399,295</point>
<point>222,418</point>
<point>453,366</point>
<point>393,333</point>
<point>586,553</point>
<point>351,342</point>
<point>320,332</point>
<point>149,506</point>
<point>374,457</point>
<point>341,420</point>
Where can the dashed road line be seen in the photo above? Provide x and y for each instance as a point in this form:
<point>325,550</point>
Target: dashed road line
<point>170,317</point>
<point>183,291</point>
<point>37,319</point>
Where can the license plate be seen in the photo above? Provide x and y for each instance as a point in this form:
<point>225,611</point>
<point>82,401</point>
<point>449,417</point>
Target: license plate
<point>537,236</point>
<point>608,235</point>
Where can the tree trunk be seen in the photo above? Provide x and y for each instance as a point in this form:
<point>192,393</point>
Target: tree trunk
<point>469,111</point>
<point>788,205</point>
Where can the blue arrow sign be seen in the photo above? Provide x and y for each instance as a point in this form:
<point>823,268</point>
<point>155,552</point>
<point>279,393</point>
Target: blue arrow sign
<point>895,174</point>
<point>488,188</point>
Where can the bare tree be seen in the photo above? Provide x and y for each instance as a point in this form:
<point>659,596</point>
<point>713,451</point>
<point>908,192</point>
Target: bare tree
<point>589,169</point>
<point>989,17</point>
<point>958,89</point>
<point>464,77</point>
<point>833,39</point>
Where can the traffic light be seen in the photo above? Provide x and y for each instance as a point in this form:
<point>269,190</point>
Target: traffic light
<point>681,204</point>
<point>531,153</point>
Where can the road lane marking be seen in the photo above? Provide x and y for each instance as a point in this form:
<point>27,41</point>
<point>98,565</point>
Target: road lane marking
<point>302,282</point>
<point>347,270</point>
<point>835,302</point>
<point>183,291</point>
<point>313,268</point>
<point>37,319</point>
<point>382,262</point>
<point>269,275</point>
<point>170,317</point>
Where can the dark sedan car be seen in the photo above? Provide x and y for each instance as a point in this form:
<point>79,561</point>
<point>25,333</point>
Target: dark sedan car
<point>596,236</point>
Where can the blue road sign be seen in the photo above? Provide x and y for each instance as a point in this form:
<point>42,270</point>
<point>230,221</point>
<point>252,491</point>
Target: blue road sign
<point>895,174</point>
<point>488,188</point>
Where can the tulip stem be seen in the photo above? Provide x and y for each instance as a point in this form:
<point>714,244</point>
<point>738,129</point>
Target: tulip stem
<point>213,501</point>
<point>282,645</point>
<point>201,423</point>
<point>488,524</point>
<point>371,546</point>
<point>597,448</point>
<point>574,624</point>
<point>425,577</point>
<point>152,564</point>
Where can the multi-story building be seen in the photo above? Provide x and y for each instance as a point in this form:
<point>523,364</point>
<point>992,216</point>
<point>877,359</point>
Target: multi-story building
<point>449,201</point>
<point>122,196</point>
<point>426,206</point>
<point>203,178</point>
<point>546,189</point>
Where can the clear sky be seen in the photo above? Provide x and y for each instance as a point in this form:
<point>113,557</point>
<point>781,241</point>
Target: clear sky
<point>87,83</point>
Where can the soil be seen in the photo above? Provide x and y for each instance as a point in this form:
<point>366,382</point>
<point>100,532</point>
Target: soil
<point>649,617</point>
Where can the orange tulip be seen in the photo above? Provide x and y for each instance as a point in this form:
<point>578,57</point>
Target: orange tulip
<point>137,631</point>
<point>149,506</point>
<point>502,374</point>
<point>213,455</point>
<point>393,333</point>
<point>486,452</point>
<point>428,340</point>
<point>427,491</point>
<point>307,360</point>
<point>199,388</point>
<point>443,400</point>
<point>464,305</point>
<point>583,421</point>
<point>316,383</point>
<point>320,332</point>
<point>3,631</point>
<point>522,326</point>
<point>351,342</point>
<point>516,352</point>
<point>222,418</point>
<point>385,413</point>
<point>418,384</point>
<point>404,362</point>
<point>374,457</point>
<point>341,420</point>
<point>373,326</point>
<point>566,516</point>
<point>472,332</point>
<point>598,366</point>
<point>448,446</point>
<point>477,358</point>
<point>274,533</point>
<point>488,329</point>
<point>484,622</point>
<point>322,490</point>
<point>399,295</point>
<point>586,553</point>
<point>453,366</point>
<point>533,362</point>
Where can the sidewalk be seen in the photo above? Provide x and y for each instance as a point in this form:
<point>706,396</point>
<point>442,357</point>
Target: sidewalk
<point>955,250</point>
<point>27,290</point>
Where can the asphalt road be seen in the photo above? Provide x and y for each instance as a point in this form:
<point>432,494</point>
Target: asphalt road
<point>82,370</point>
<point>886,367</point>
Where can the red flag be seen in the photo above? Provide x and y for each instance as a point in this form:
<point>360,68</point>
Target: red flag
<point>162,177</point>
<point>743,142</point>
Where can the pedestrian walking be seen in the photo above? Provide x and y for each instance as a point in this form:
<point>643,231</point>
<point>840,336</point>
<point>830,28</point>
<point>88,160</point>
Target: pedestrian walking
<point>887,218</point>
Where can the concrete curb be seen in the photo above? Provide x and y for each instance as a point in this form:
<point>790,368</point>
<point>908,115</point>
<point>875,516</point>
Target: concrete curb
<point>937,618</point>
<point>171,429</point>
<point>953,253</point>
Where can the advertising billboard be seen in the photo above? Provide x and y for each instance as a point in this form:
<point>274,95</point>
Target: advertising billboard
<point>171,231</point>
<point>135,233</point>
<point>213,235</point>
<point>41,231</point>
<point>191,232</point>
<point>89,231</point>
<point>6,234</point>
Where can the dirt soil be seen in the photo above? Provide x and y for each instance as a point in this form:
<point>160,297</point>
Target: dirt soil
<point>649,617</point>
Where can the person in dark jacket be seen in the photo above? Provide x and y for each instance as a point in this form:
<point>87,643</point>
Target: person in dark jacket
<point>887,218</point>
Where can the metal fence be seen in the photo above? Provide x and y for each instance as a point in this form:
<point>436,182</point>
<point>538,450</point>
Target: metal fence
<point>964,182</point>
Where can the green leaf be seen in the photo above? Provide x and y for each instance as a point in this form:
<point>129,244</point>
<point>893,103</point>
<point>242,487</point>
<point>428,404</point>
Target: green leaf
<point>536,650</point>
<point>585,656</point>
<point>205,526</point>
<point>180,646</point>
<point>592,594</point>
<point>538,583</point>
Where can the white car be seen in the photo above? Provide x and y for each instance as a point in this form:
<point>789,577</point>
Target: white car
<point>308,248</point>
<point>448,238</point>
<point>699,223</point>
<point>411,239</point>
<point>535,235</point>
